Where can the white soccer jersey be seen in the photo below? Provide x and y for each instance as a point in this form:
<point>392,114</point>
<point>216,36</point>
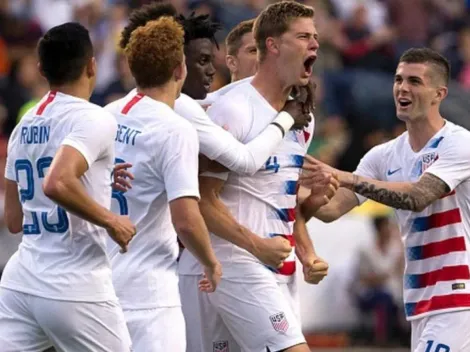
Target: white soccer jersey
<point>61,256</point>
<point>218,144</point>
<point>437,275</point>
<point>265,202</point>
<point>163,149</point>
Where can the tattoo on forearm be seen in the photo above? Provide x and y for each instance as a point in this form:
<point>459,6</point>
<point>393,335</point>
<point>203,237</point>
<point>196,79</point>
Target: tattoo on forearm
<point>424,192</point>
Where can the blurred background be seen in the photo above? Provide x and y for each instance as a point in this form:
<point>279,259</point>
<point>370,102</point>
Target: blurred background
<point>360,302</point>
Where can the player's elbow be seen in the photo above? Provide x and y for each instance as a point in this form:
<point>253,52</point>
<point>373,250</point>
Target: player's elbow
<point>14,223</point>
<point>54,188</point>
<point>185,227</point>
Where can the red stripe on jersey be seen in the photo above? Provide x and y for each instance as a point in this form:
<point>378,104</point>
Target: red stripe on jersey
<point>448,194</point>
<point>131,103</point>
<point>49,100</point>
<point>287,269</point>
<point>447,273</point>
<point>306,136</point>
<point>434,249</point>
<point>442,302</point>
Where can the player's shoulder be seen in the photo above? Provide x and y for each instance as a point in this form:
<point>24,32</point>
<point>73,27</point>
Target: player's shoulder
<point>456,134</point>
<point>188,108</point>
<point>237,100</point>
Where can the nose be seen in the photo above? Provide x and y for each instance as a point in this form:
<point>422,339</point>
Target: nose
<point>314,44</point>
<point>210,71</point>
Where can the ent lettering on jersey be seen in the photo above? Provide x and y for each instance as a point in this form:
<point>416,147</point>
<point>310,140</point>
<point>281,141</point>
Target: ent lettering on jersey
<point>126,134</point>
<point>35,134</point>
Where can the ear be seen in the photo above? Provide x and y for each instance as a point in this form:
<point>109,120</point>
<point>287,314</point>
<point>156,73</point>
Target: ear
<point>41,70</point>
<point>232,63</point>
<point>91,68</point>
<point>179,72</point>
<point>441,94</point>
<point>272,45</point>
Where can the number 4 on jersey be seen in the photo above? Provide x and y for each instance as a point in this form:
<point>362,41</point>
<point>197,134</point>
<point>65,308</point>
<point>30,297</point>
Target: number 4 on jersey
<point>272,166</point>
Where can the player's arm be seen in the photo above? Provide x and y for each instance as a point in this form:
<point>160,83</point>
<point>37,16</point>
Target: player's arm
<point>342,202</point>
<point>218,144</point>
<point>13,210</point>
<point>221,222</point>
<point>180,174</point>
<point>88,142</point>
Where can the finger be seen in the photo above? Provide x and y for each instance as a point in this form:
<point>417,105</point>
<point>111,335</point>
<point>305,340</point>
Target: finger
<point>125,174</point>
<point>118,187</point>
<point>123,182</point>
<point>123,248</point>
<point>280,265</point>
<point>318,267</point>
<point>121,166</point>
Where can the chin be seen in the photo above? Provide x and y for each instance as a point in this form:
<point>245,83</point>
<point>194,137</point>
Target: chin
<point>403,117</point>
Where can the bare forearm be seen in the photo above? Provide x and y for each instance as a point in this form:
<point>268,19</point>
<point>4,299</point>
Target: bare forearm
<point>399,195</point>
<point>303,244</point>
<point>222,224</point>
<point>72,196</point>
<point>342,202</point>
<point>195,238</point>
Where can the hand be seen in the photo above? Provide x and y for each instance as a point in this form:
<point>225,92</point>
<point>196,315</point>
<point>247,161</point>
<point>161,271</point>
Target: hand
<point>273,251</point>
<point>316,175</point>
<point>211,279</point>
<point>120,176</point>
<point>297,110</point>
<point>122,230</point>
<point>314,269</point>
<point>306,96</point>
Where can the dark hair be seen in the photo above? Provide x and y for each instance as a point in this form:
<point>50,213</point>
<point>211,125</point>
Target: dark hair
<point>199,27</point>
<point>141,16</point>
<point>154,51</point>
<point>274,21</point>
<point>233,42</point>
<point>428,56</point>
<point>64,51</point>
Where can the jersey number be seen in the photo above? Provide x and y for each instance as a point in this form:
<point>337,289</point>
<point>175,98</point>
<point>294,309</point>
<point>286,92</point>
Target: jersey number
<point>272,164</point>
<point>439,347</point>
<point>25,166</point>
<point>119,195</point>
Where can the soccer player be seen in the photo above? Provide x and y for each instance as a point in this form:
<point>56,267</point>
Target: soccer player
<point>240,60</point>
<point>214,142</point>
<point>425,175</point>
<point>255,304</point>
<point>56,290</point>
<point>163,149</point>
<point>241,51</point>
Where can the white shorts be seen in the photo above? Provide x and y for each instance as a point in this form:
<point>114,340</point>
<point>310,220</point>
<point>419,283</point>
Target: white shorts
<point>156,330</point>
<point>444,332</point>
<point>31,323</point>
<point>247,317</point>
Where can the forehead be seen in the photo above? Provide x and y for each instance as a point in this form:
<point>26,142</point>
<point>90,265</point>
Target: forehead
<point>202,46</point>
<point>405,69</point>
<point>302,24</point>
<point>247,39</point>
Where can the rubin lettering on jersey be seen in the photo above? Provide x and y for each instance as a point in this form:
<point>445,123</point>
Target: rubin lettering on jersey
<point>35,134</point>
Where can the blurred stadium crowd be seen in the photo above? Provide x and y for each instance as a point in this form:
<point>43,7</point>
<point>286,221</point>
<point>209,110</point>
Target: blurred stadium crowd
<point>361,41</point>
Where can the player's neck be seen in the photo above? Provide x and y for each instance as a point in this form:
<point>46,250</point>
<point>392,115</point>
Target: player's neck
<point>75,90</point>
<point>271,87</point>
<point>421,131</point>
<point>162,94</point>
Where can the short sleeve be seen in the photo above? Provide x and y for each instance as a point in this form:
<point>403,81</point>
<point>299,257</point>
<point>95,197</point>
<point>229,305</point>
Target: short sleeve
<point>180,163</point>
<point>453,161</point>
<point>370,166</point>
<point>93,135</point>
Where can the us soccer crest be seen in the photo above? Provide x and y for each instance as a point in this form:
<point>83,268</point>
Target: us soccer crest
<point>220,346</point>
<point>279,322</point>
<point>425,161</point>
